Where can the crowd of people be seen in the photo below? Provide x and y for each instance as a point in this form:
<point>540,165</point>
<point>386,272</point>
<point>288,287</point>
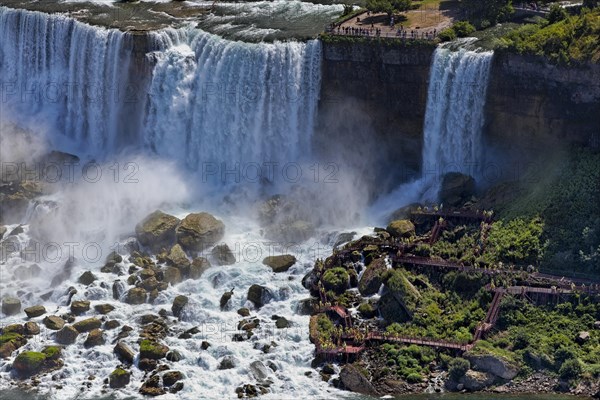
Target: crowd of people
<point>373,31</point>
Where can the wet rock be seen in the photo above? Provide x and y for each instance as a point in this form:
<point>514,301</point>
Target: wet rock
<point>87,278</point>
<point>172,275</point>
<point>178,259</point>
<point>198,231</point>
<point>29,363</point>
<point>178,304</point>
<point>401,228</point>
<point>282,323</point>
<point>222,255</point>
<point>223,303</point>
<point>177,387</point>
<point>103,308</point>
<point>94,338</point>
<point>80,307</point>
<point>119,378</point>
<point>475,380</point>
<point>149,284</point>
<point>67,335</point>
<point>228,362</point>
<point>291,231</point>
<point>6,349</point>
<point>31,328</point>
<point>259,295</point>
<point>198,267</point>
<point>35,311</point>
<point>2,231</point>
<point>205,345</point>
<point>11,306</point>
<point>244,312</point>
<point>136,296</point>
<point>157,231</point>
<point>174,356</point>
<point>53,322</point>
<point>352,379</point>
<point>124,353</point>
<point>151,387</point>
<point>118,288</point>
<point>147,364</point>
<point>307,306</point>
<point>280,263</point>
<point>456,189</point>
<point>372,278</point>
<point>24,273</point>
<point>328,369</point>
<point>152,350</point>
<point>13,328</point>
<point>111,324</point>
<point>111,261</point>
<point>259,371</point>
<point>189,333</point>
<point>169,378</point>
<point>87,325</point>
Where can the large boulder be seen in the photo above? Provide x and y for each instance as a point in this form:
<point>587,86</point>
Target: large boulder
<point>157,231</point>
<point>124,353</point>
<point>177,258</point>
<point>228,362</point>
<point>372,279</point>
<point>178,304</point>
<point>172,275</point>
<point>94,338</point>
<point>259,295</point>
<point>494,365</point>
<point>222,255</point>
<point>119,378</point>
<point>29,363</point>
<point>401,228</point>
<point>80,307</point>
<point>352,379</point>
<point>136,296</point>
<point>456,189</point>
<point>11,306</point>
<point>198,231</point>
<point>152,350</point>
<point>291,231</point>
<point>67,335</point>
<point>475,380</point>
<point>35,311</point>
<point>87,278</point>
<point>280,263</point>
<point>87,325</point>
<point>198,267</point>
<point>53,322</point>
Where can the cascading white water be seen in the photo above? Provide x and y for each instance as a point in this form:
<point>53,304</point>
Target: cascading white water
<point>455,106</point>
<point>64,75</point>
<point>213,100</point>
<point>454,120</point>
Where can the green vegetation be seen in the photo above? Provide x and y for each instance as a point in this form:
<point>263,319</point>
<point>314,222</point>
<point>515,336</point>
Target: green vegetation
<point>485,13</point>
<point>336,279</point>
<point>458,367</point>
<point>517,242</point>
<point>376,41</point>
<point>459,29</point>
<point>11,337</point>
<point>408,362</point>
<point>119,372</point>
<point>562,38</point>
<point>52,352</point>
<point>389,6</point>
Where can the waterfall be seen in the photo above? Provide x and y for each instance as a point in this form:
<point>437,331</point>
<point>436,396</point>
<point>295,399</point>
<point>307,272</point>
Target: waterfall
<point>64,75</point>
<point>214,100</point>
<point>455,111</point>
<point>454,120</point>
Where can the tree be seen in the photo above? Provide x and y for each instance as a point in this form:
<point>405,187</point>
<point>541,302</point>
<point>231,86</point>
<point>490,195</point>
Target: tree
<point>389,6</point>
<point>591,3</point>
<point>483,13</point>
<point>557,13</point>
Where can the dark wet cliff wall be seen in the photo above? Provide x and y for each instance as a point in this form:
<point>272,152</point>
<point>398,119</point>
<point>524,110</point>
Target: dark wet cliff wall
<point>372,107</point>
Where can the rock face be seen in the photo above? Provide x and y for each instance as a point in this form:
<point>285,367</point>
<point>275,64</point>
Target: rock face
<point>259,295</point>
<point>401,228</point>
<point>456,189</point>
<point>352,379</point>
<point>280,263</point>
<point>493,365</point>
<point>198,267</point>
<point>35,311</point>
<point>198,231</point>
<point>157,231</point>
<point>371,280</point>
<point>222,255</point>
<point>11,306</point>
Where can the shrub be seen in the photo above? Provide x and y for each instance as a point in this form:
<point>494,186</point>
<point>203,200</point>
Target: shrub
<point>447,35</point>
<point>463,28</point>
<point>458,367</point>
<point>414,378</point>
<point>570,369</point>
<point>557,13</point>
<point>336,279</point>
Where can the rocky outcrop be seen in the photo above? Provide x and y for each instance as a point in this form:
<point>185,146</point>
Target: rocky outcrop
<point>11,306</point>
<point>371,280</point>
<point>351,378</point>
<point>493,365</point>
<point>259,295</point>
<point>475,380</point>
<point>222,255</point>
<point>456,189</point>
<point>119,378</point>
<point>178,304</point>
<point>35,311</point>
<point>401,228</point>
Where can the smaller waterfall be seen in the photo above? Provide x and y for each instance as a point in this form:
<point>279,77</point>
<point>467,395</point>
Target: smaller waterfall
<point>453,123</point>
